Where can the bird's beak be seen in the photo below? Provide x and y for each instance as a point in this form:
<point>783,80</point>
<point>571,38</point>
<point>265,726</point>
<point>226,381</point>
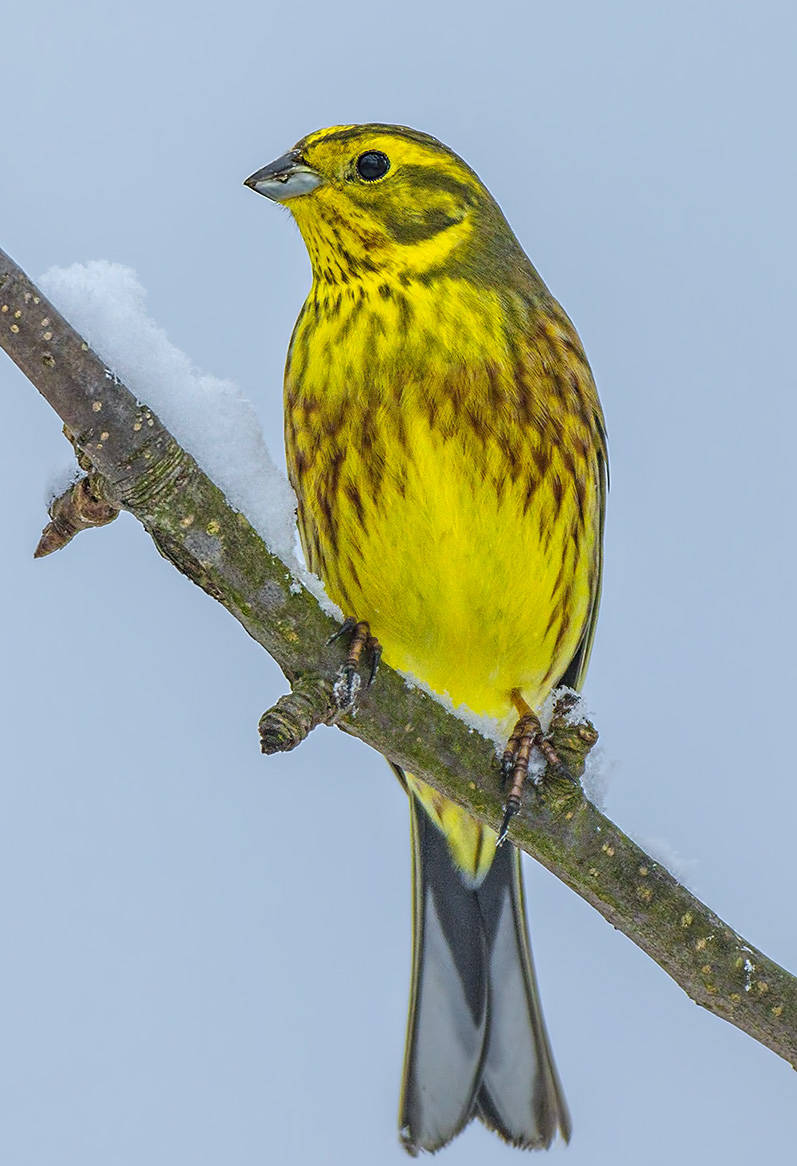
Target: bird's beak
<point>285,178</point>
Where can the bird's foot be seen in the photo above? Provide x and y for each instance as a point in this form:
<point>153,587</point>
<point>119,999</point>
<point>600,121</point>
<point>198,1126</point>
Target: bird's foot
<point>526,736</point>
<point>348,682</point>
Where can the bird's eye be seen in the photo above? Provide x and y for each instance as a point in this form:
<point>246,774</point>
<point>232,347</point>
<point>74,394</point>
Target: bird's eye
<point>373,165</point>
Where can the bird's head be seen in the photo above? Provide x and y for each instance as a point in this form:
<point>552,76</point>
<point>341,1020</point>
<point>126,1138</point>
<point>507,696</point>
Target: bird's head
<point>380,198</point>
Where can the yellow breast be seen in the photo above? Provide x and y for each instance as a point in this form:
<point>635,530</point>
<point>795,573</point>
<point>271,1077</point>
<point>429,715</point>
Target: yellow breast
<point>441,441</point>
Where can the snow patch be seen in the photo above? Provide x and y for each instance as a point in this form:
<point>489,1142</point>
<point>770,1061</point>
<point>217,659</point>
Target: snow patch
<point>209,416</point>
<point>596,778</point>
<point>488,727</point>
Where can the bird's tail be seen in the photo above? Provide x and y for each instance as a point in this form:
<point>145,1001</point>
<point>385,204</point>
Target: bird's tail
<point>476,1040</point>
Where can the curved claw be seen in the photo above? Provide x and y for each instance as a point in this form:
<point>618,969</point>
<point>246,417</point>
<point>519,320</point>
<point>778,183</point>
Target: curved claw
<point>348,625</point>
<point>510,809</point>
<point>375,648</point>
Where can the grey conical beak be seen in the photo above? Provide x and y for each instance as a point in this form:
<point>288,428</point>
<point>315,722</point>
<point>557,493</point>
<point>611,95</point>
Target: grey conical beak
<point>285,178</point>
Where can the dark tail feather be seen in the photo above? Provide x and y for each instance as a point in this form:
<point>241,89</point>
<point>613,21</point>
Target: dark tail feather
<point>520,1095</point>
<point>476,1040</point>
<point>448,1001</point>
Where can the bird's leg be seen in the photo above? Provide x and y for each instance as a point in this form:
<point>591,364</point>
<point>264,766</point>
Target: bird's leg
<point>348,682</point>
<point>526,735</point>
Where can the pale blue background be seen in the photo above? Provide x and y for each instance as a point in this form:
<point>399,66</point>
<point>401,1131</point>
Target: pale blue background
<point>205,954</point>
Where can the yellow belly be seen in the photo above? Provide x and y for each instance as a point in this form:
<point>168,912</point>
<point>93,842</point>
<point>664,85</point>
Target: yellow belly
<point>462,588</point>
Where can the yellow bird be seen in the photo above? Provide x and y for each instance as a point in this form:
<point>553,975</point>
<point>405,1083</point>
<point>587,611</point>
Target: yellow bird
<point>447,448</point>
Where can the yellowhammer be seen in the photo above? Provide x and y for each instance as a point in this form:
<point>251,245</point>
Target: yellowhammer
<point>447,449</point>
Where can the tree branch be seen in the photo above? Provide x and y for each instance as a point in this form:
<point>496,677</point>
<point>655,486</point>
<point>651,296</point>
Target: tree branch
<point>137,465</point>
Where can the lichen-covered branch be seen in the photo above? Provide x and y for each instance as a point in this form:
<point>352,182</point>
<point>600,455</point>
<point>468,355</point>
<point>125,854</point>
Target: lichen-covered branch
<point>137,465</point>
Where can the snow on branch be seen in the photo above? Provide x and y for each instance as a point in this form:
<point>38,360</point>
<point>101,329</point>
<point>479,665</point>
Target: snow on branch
<point>137,464</point>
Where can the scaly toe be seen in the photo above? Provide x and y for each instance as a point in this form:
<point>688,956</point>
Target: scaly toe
<point>554,761</point>
<point>348,681</point>
<point>507,764</point>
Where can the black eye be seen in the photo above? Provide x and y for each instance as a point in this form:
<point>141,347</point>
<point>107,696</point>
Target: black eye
<point>373,165</point>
